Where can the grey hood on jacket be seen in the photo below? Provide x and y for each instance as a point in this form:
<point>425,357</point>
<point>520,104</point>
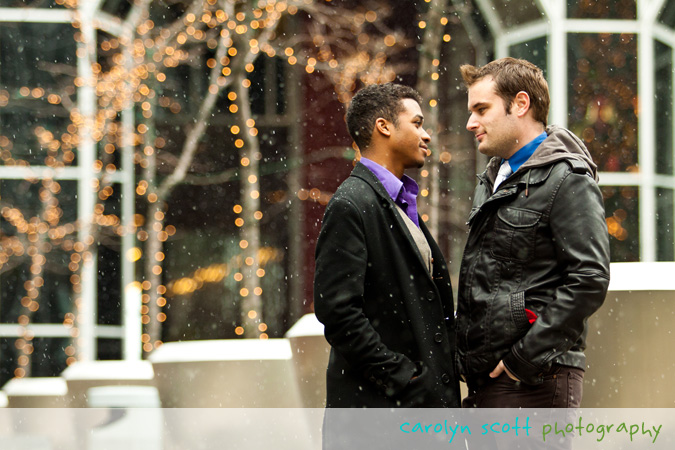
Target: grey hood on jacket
<point>560,144</point>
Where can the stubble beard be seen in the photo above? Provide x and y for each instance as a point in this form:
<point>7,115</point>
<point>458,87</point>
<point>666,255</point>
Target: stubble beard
<point>499,149</point>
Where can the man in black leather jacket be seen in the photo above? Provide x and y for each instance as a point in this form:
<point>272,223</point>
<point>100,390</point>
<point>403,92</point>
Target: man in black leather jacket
<point>536,263</point>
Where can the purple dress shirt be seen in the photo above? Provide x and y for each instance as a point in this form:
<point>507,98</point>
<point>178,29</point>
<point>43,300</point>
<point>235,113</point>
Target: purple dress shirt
<point>403,191</point>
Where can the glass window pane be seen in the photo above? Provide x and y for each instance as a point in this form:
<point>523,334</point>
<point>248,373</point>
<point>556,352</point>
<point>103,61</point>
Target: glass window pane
<point>517,12</point>
<point>28,134</point>
<point>622,212</point>
<point>47,358</point>
<point>118,8</point>
<point>107,349</point>
<point>667,16</point>
<point>22,204</point>
<point>179,94</point>
<point>281,85</point>
<point>54,299</point>
<point>663,107</point>
<point>665,214</point>
<point>483,27</point>
<point>37,66</point>
<point>8,356</point>
<point>36,55</point>
<point>602,73</point>
<point>24,197</point>
<point>601,9</point>
<point>259,78</point>
<point>109,258</point>
<point>109,284</point>
<point>534,51</point>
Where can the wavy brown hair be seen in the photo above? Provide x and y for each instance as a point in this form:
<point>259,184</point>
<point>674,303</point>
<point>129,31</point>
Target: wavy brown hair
<point>512,76</point>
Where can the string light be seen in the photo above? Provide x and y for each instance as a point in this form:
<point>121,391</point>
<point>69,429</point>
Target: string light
<point>315,195</point>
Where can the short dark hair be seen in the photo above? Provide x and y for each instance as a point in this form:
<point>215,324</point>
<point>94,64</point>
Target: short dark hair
<point>373,102</point>
<point>512,76</point>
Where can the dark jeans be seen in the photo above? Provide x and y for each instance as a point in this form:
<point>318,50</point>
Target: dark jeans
<point>562,388</point>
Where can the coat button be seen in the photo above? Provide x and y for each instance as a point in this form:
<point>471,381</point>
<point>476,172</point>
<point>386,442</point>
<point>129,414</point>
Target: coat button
<point>431,296</point>
<point>438,337</point>
<point>445,378</point>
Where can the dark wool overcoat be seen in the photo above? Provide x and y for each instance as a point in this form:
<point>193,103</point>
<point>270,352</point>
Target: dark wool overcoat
<point>389,321</point>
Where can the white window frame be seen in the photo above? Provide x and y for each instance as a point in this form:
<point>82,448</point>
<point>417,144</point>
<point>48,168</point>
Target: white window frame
<point>89,330</point>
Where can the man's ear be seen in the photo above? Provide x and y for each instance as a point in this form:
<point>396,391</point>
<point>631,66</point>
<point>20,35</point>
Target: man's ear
<point>521,104</point>
<point>383,126</point>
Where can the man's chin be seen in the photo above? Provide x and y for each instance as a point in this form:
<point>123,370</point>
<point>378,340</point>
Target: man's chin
<point>486,151</point>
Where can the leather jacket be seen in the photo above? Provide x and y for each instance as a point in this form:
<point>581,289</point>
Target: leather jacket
<point>536,264</point>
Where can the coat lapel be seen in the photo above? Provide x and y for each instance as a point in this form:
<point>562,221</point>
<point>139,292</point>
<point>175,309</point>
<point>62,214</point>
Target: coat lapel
<point>362,172</point>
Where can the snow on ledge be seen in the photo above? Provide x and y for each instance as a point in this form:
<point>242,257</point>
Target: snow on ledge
<point>223,350</point>
<point>38,386</point>
<point>109,370</point>
<point>308,325</point>
<point>642,276</point>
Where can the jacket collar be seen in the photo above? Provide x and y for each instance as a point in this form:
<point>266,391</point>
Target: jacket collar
<point>560,144</point>
<point>364,173</point>
<point>536,175</point>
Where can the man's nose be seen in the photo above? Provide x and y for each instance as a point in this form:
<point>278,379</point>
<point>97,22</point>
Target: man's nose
<point>471,124</point>
<point>425,136</point>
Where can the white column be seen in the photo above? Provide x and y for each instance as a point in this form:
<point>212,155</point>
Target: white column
<point>557,63</point>
<point>86,200</point>
<point>132,328</point>
<point>131,302</point>
<point>646,132</point>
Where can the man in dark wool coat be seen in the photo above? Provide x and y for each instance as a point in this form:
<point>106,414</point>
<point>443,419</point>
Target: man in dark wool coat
<point>381,285</point>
